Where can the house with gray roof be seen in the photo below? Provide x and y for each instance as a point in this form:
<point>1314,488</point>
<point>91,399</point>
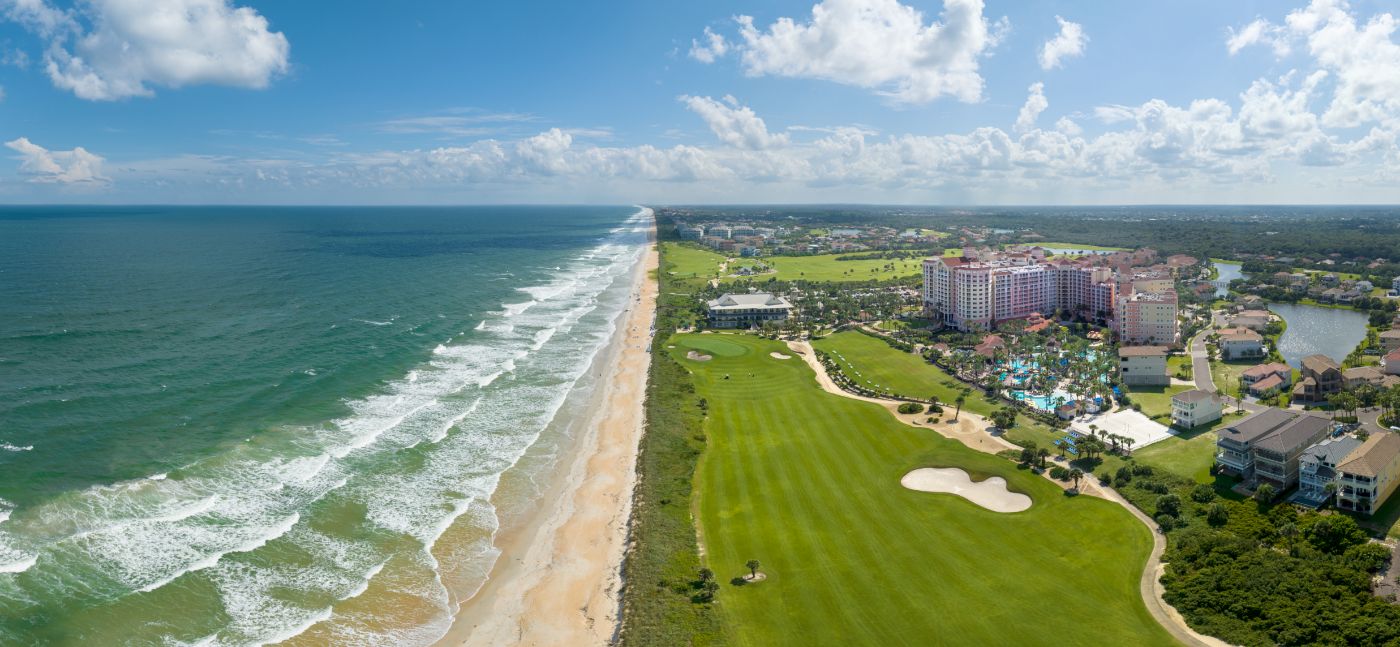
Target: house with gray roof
<point>1267,445</point>
<point>1317,468</point>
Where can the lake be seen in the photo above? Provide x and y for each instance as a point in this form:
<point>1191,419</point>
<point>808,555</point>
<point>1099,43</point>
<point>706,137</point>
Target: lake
<point>1228,272</point>
<point>1333,332</point>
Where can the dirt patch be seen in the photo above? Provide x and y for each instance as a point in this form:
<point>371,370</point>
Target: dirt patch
<point>777,355</point>
<point>990,494</point>
<point>694,356</point>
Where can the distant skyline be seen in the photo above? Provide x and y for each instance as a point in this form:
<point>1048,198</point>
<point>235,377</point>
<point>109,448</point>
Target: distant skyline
<point>837,101</point>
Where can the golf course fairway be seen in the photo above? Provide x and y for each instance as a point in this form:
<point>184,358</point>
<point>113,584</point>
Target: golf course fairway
<point>808,483</point>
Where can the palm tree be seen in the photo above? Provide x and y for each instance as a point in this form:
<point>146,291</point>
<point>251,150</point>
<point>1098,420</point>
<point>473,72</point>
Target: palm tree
<point>1042,453</point>
<point>753,568</point>
<point>1076,474</point>
<point>962,397</point>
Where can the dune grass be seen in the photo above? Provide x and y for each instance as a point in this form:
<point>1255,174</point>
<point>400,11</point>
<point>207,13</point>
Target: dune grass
<point>808,483</point>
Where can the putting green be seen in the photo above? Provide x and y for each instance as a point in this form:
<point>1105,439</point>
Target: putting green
<point>809,484</point>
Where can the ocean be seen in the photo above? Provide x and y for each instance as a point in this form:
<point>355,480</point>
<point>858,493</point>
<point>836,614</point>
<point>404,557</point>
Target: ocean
<point>242,425</point>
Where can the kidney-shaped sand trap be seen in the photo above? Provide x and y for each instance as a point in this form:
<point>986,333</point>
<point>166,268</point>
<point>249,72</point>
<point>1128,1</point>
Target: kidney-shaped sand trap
<point>990,494</point>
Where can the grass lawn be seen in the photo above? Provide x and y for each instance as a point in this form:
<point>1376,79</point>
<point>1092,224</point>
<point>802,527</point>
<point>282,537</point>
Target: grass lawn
<point>1226,375</point>
<point>1155,400</point>
<point>1188,455</point>
<point>1176,362</point>
<point>825,267</point>
<point>692,263</point>
<point>874,364</point>
<point>808,483</point>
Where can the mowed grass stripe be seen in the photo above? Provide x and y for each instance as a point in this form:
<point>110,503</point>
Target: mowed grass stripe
<point>808,483</point>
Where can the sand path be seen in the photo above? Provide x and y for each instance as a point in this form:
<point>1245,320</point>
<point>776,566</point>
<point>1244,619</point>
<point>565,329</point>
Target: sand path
<point>558,581</point>
<point>971,430</point>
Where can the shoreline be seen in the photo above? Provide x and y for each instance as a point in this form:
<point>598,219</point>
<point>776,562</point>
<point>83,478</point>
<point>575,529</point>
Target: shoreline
<point>558,578</point>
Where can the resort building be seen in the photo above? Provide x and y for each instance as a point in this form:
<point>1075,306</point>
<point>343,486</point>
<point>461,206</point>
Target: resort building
<point>1191,409</point>
<point>1319,377</point>
<point>1147,318</point>
<point>1370,473</point>
<point>1240,343</point>
<point>980,289</point>
<point>1317,467</point>
<point>747,310</point>
<point>1143,366</point>
<point>1267,445</point>
<point>1391,362</point>
<point>690,233</point>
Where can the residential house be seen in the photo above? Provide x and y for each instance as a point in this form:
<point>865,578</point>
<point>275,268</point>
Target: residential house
<point>1391,362</point>
<point>1357,376</point>
<point>1317,467</point>
<point>1191,409</point>
<point>1143,365</point>
<point>747,310</point>
<point>1256,320</point>
<point>1240,343</point>
<point>1263,371</point>
<point>1319,377</point>
<point>1390,340</point>
<point>1266,445</point>
<point>1370,473</point>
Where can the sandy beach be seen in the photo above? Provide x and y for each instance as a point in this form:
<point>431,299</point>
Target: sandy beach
<point>558,578</point>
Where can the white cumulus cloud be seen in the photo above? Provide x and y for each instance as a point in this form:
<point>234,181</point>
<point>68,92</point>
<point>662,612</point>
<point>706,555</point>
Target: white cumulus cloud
<point>734,124</point>
<point>878,44</point>
<point>114,49</point>
<point>1069,43</point>
<point>713,48</point>
<point>76,167</point>
<point>1030,111</point>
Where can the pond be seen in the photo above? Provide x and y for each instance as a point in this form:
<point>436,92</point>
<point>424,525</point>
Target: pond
<point>1228,272</point>
<point>1334,332</point>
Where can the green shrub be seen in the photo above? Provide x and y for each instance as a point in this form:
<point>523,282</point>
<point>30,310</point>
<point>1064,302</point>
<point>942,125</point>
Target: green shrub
<point>911,407</point>
<point>1059,472</point>
<point>1203,493</point>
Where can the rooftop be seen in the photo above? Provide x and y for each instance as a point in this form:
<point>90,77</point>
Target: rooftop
<point>1320,363</point>
<point>1332,450</point>
<point>1142,351</point>
<point>1194,395</point>
<point>1373,456</point>
<point>754,300</point>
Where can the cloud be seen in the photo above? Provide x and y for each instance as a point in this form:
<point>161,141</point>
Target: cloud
<point>713,48</point>
<point>1069,43</point>
<point>458,123</point>
<point>734,124</point>
<point>877,44</point>
<point>75,167</point>
<point>132,45</point>
<point>1363,59</point>
<point>1035,104</point>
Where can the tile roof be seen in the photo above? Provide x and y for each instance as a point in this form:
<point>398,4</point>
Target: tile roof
<point>1373,456</point>
<point>1142,351</point>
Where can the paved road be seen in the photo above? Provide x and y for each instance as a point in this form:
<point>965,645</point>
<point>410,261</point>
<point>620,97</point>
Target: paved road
<point>1200,368</point>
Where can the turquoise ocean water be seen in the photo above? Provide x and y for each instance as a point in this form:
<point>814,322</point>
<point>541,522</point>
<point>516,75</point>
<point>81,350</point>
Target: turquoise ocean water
<point>244,425</point>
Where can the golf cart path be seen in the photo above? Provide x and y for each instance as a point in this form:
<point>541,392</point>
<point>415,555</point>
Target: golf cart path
<point>971,431</point>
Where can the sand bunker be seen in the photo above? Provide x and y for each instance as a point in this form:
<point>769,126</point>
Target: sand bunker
<point>777,355</point>
<point>990,494</point>
<point>698,357</point>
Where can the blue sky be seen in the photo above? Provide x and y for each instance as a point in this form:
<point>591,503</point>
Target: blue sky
<point>890,101</point>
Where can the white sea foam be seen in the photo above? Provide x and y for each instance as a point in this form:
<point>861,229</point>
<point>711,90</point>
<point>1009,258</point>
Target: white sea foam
<point>151,531</point>
<point>480,326</point>
<point>19,566</point>
<point>16,448</point>
<point>512,309</point>
<point>158,477</point>
<point>375,323</point>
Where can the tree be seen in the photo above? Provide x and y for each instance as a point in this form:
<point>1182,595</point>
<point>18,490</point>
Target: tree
<point>1264,493</point>
<point>1076,474</point>
<point>1168,504</point>
<point>1217,514</point>
<point>962,397</point>
<point>706,575</point>
<point>1042,454</point>
<point>752,565</point>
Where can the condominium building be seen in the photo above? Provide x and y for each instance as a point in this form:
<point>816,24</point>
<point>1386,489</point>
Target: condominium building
<point>1370,473</point>
<point>972,292</point>
<point>1143,365</point>
<point>1191,409</point>
<point>1147,318</point>
<point>747,310</point>
<point>1268,445</point>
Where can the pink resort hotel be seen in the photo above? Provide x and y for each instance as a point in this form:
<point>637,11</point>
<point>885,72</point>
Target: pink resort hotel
<point>982,288</point>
